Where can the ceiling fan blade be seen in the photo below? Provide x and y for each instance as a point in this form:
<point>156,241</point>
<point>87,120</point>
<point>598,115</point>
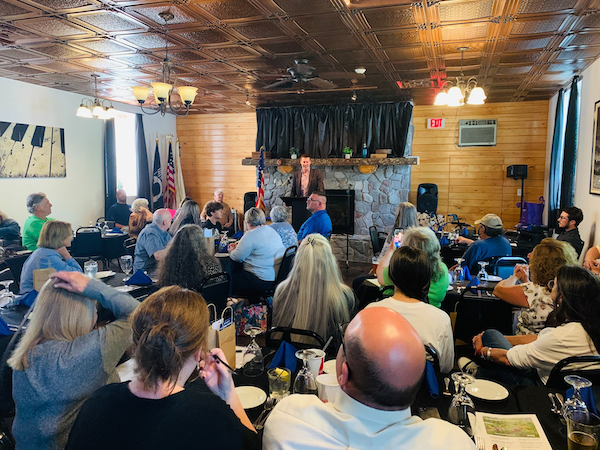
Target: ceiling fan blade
<point>277,84</point>
<point>342,75</point>
<point>321,83</point>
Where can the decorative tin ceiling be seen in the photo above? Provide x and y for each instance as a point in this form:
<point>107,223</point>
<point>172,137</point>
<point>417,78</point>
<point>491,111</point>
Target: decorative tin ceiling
<point>231,49</point>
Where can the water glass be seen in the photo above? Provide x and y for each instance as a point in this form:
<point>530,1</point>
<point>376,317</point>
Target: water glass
<point>462,408</point>
<point>90,268</point>
<point>254,363</point>
<point>126,265</point>
<point>280,380</point>
<point>583,431</point>
<point>305,382</point>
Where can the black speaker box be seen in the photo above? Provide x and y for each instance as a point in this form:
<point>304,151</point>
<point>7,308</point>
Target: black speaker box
<point>517,172</point>
<point>427,198</point>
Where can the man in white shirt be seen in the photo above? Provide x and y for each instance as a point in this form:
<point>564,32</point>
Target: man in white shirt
<point>379,368</point>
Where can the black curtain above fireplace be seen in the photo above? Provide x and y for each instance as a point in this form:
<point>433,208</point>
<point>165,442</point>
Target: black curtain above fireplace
<point>324,131</point>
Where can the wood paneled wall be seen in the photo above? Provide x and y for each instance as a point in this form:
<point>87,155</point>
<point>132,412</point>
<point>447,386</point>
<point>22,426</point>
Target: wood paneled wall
<point>212,149</point>
<point>472,180</point>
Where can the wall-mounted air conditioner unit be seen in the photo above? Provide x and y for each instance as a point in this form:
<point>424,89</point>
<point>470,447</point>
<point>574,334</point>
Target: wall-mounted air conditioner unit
<point>477,133</point>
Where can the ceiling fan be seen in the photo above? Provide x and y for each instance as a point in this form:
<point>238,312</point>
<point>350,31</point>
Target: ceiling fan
<point>301,72</point>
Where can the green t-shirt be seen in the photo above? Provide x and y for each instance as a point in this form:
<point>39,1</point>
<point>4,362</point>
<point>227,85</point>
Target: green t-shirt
<point>31,231</point>
<point>437,289</point>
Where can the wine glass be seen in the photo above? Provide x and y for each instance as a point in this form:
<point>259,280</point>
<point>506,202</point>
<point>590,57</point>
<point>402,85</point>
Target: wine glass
<point>482,275</point>
<point>574,405</point>
<point>7,298</point>
<point>462,406</point>
<point>305,382</point>
<point>459,270</point>
<point>254,363</point>
<point>126,266</point>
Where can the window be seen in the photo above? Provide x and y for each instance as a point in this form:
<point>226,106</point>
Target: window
<point>126,157</point>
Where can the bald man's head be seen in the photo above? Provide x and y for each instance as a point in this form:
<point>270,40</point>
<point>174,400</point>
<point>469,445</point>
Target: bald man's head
<point>121,196</point>
<point>162,218</point>
<point>385,359</point>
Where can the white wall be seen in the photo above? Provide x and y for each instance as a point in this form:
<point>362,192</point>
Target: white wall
<point>79,197</point>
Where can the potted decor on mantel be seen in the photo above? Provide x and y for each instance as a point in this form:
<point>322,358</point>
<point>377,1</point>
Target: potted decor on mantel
<point>294,152</point>
<point>347,152</point>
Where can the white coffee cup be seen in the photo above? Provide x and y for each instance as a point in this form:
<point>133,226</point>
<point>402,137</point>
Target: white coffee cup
<point>315,364</point>
<point>327,387</point>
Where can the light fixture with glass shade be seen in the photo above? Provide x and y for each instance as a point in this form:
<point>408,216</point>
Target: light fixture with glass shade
<point>98,108</point>
<point>463,89</point>
<point>163,90</point>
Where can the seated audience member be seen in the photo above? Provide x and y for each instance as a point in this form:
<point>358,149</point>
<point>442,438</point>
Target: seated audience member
<point>9,228</point>
<point>410,271</point>
<point>406,217</point>
<point>51,253</point>
<point>426,240</point>
<point>491,242</point>
<point>151,242</point>
<point>528,360</point>
<point>379,368</point>
<point>284,229</point>
<point>534,296</point>
<point>568,223</point>
<point>40,208</point>
<point>214,213</point>
<point>120,211</point>
<point>260,250</point>
<point>313,296</point>
<point>187,262</point>
<point>188,214</point>
<point>591,259</point>
<point>226,219</point>
<point>140,216</point>
<point>319,222</point>
<point>62,359</point>
<point>159,408</point>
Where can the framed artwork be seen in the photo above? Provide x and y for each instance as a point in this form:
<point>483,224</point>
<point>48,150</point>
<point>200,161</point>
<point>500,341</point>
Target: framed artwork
<point>595,179</point>
<point>31,151</point>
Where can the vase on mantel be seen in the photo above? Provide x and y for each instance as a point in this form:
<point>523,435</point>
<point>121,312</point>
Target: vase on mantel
<point>294,156</point>
<point>347,155</point>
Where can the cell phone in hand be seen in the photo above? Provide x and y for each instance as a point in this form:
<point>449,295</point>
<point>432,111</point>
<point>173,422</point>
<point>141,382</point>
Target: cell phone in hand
<point>398,236</point>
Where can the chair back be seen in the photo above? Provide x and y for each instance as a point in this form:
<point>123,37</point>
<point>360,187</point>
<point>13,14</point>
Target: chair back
<point>129,245</point>
<point>114,246</point>
<point>433,357</point>
<point>88,242</point>
<point>249,200</point>
<point>276,335</point>
<point>504,266</point>
<point>286,264</point>
<point>586,366</point>
<point>15,264</point>
<point>215,289</point>
<point>374,239</point>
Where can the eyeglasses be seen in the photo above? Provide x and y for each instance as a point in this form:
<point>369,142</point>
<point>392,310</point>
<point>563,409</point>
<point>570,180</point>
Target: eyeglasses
<point>550,285</point>
<point>312,200</point>
<point>342,329</point>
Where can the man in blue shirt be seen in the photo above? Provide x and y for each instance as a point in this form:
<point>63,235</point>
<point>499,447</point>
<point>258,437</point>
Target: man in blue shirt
<point>151,242</point>
<point>120,211</point>
<point>491,243</point>
<point>319,222</point>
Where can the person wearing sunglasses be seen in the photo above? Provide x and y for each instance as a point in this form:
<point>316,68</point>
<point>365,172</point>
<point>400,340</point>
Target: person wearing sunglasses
<point>379,367</point>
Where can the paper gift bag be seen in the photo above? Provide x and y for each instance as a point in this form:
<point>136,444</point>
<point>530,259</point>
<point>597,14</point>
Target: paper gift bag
<point>225,328</point>
<point>210,244</point>
<point>211,336</point>
<point>40,276</point>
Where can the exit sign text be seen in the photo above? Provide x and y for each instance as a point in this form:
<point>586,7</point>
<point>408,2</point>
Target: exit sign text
<point>436,123</point>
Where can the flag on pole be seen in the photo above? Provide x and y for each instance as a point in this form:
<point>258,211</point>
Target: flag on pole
<point>179,185</point>
<point>157,186</point>
<point>260,180</point>
<point>170,195</point>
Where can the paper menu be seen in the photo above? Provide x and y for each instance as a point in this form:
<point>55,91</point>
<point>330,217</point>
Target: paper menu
<point>515,431</point>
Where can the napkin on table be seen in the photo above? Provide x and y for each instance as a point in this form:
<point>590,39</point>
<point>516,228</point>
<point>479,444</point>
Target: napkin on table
<point>116,230</point>
<point>444,241</point>
<point>29,298</point>
<point>4,330</point>
<point>139,277</point>
<point>285,357</point>
<point>431,380</point>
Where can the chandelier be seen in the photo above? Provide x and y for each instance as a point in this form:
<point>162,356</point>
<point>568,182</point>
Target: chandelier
<point>99,109</point>
<point>463,89</point>
<point>163,90</point>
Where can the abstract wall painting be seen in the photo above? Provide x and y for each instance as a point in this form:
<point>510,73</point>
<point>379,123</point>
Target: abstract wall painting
<point>31,151</point>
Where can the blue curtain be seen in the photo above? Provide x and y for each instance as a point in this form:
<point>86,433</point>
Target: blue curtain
<point>143,171</point>
<point>110,165</point>
<point>556,162</point>
<point>567,194</point>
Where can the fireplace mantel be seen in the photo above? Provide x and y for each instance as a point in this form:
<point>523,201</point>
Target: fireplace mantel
<point>329,162</point>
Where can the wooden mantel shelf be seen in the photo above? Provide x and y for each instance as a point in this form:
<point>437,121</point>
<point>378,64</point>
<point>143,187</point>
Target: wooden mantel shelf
<point>409,161</point>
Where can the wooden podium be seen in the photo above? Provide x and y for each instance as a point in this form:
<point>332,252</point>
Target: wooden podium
<point>299,212</point>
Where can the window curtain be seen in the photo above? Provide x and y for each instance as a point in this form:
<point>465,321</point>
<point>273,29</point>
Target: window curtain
<point>324,131</point>
<point>567,195</point>
<point>110,165</point>
<point>143,171</point>
<point>556,160</point>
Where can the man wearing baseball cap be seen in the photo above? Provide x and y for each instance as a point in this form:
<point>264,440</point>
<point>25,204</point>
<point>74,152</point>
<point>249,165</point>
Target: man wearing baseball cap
<point>491,242</point>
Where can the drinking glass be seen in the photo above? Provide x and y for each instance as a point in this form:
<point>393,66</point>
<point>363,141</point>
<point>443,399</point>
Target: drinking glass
<point>459,271</point>
<point>482,275</point>
<point>254,363</point>
<point>462,408</point>
<point>305,382</point>
<point>7,298</point>
<point>90,268</point>
<point>126,266</point>
<point>583,433</point>
<point>280,379</point>
<point>574,404</point>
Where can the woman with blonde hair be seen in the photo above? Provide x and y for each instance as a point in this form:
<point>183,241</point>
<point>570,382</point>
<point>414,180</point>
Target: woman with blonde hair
<point>159,408</point>
<point>533,294</point>
<point>140,216</point>
<point>61,359</point>
<point>51,253</point>
<point>313,297</point>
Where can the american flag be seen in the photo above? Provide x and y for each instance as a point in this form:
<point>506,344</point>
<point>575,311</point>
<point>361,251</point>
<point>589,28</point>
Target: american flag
<point>170,194</point>
<point>260,180</point>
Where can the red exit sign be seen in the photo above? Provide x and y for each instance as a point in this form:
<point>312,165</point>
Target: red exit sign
<point>436,123</point>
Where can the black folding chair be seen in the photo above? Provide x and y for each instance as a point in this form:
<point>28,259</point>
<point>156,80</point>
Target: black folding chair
<point>113,247</point>
<point>504,266</point>
<point>377,239</point>
<point>586,366</point>
<point>286,333</point>
<point>15,263</point>
<point>215,289</point>
<point>88,243</point>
